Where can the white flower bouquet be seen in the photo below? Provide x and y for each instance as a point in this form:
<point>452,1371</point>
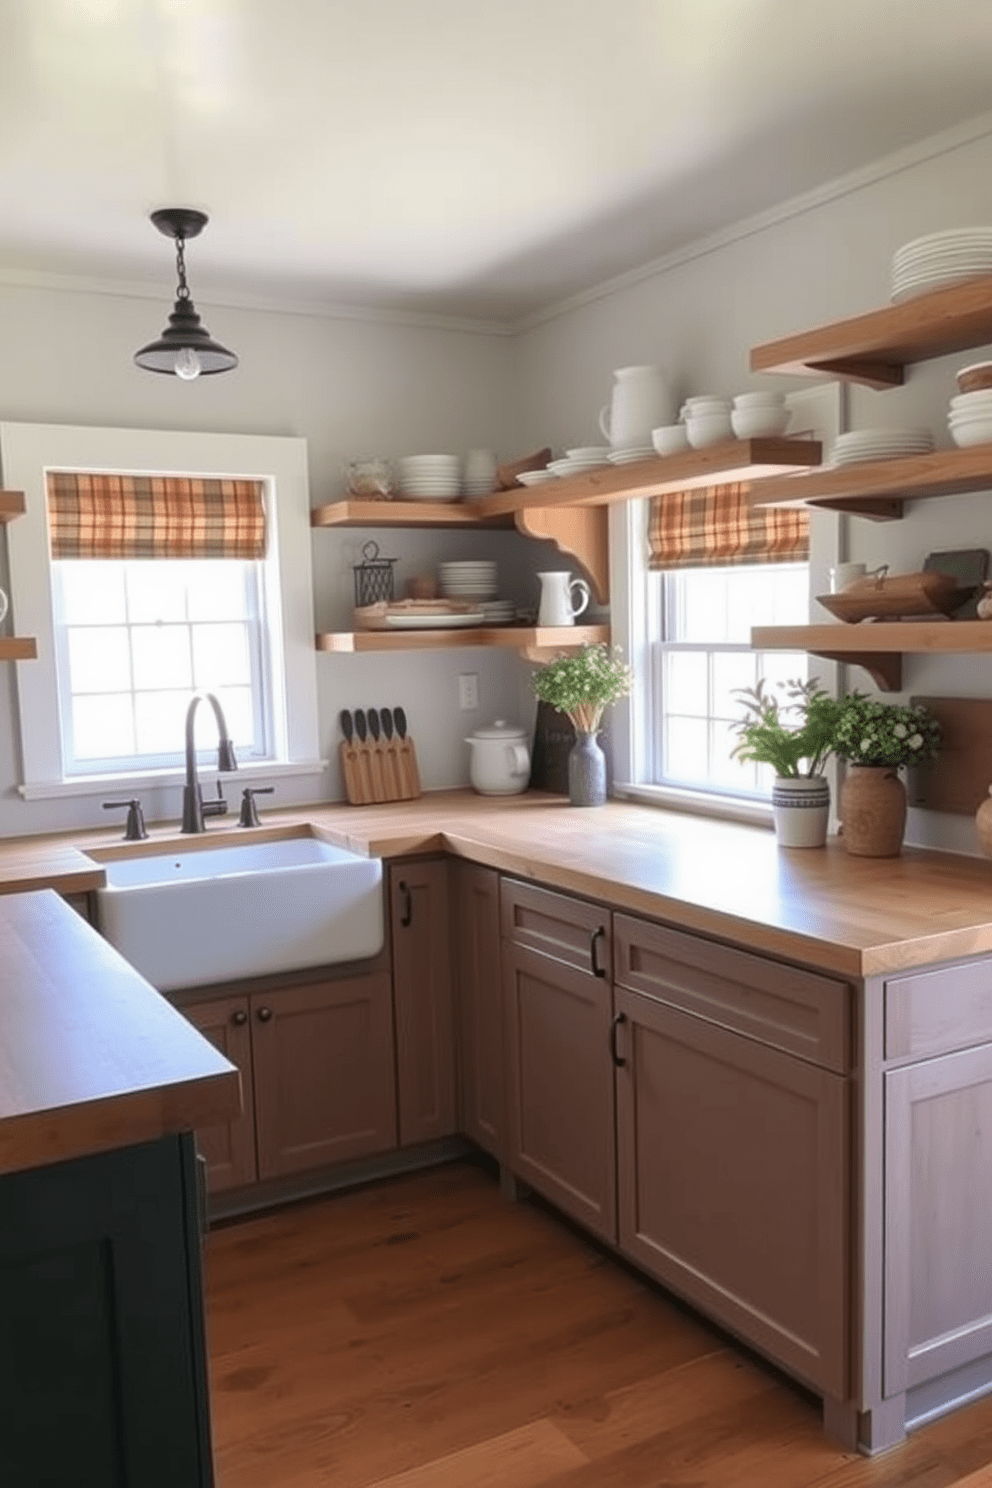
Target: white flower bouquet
<point>583,685</point>
<point>867,732</point>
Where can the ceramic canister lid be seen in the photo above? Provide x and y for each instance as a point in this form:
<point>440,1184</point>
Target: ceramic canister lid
<point>500,729</point>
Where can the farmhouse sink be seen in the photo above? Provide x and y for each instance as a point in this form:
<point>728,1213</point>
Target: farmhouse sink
<point>186,918</point>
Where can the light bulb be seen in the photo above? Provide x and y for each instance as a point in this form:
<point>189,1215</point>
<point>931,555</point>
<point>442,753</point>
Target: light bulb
<point>187,364</point>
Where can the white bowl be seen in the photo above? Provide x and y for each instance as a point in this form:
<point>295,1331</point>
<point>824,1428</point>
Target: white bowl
<point>706,403</point>
<point>706,429</point>
<point>977,431</point>
<point>758,422</point>
<point>670,439</point>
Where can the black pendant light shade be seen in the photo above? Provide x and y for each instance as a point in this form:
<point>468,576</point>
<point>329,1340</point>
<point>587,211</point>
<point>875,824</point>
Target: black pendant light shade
<point>185,348</point>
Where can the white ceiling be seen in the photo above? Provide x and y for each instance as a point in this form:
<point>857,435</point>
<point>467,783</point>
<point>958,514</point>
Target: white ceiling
<point>472,157</point>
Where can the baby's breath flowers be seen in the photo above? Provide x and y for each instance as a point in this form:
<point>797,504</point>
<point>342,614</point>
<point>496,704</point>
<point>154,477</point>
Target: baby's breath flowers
<point>584,684</point>
<point>868,732</point>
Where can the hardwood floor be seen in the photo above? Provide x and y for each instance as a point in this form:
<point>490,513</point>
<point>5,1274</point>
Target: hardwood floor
<point>430,1333</point>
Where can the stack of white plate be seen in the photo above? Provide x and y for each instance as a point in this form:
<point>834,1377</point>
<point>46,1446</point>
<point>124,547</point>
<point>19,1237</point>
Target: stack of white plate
<point>970,418</point>
<point>469,581</point>
<point>941,258</point>
<point>430,477</point>
<point>535,477</point>
<point>631,454</point>
<point>574,462</point>
<point>880,444</point>
<point>499,612</point>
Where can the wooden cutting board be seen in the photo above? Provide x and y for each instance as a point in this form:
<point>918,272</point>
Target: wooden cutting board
<point>958,780</point>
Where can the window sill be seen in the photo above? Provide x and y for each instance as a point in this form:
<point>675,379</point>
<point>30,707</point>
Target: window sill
<point>698,803</point>
<point>101,785</point>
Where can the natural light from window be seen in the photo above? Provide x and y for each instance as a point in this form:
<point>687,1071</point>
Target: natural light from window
<point>701,653</point>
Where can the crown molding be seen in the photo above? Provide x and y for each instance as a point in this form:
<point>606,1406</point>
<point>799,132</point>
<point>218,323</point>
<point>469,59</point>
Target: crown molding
<point>884,168</point>
<point>236,300</point>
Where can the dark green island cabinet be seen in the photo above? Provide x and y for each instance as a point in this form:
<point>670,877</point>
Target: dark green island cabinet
<point>102,1356</point>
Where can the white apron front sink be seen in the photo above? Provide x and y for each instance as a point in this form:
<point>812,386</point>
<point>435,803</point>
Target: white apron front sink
<point>187,918</point>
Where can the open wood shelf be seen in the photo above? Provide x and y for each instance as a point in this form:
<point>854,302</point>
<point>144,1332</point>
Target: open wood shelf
<point>875,348</point>
<point>877,645</point>
<point>12,504</point>
<point>879,488</point>
<point>734,460</point>
<point>533,641</point>
<point>18,648</point>
<point>405,514</point>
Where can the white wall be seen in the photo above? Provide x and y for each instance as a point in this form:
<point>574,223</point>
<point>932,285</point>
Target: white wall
<point>351,387</point>
<point>701,317</point>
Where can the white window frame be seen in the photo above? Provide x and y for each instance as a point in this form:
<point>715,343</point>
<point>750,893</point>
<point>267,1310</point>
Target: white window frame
<point>820,409</point>
<point>28,451</point>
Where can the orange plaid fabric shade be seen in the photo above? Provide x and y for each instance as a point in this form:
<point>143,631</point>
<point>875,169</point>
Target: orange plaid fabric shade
<point>154,516</point>
<point>715,526</point>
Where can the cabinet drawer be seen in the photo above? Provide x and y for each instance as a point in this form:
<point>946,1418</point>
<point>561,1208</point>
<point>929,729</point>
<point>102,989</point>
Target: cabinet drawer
<point>933,1012</point>
<point>573,931</point>
<point>784,1007</point>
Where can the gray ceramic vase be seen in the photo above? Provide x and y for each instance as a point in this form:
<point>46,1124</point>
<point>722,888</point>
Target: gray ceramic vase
<point>586,771</point>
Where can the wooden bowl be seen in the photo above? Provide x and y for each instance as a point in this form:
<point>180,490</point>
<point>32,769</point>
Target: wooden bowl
<point>898,597</point>
<point>975,378</point>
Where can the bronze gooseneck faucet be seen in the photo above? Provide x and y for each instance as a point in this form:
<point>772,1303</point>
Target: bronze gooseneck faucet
<point>194,807</point>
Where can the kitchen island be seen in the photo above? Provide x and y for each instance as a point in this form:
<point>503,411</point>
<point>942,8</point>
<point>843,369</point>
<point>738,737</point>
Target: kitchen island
<point>777,1091</point>
<point>102,1360</point>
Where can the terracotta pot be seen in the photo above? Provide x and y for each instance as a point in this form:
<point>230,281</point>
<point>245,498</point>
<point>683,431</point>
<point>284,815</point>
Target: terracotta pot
<point>873,811</point>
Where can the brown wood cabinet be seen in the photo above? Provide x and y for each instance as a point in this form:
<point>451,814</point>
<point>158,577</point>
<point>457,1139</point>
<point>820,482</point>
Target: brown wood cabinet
<point>317,1072</point>
<point>426,1071</point>
<point>733,1132</point>
<point>558,1010</point>
<point>478,983</point>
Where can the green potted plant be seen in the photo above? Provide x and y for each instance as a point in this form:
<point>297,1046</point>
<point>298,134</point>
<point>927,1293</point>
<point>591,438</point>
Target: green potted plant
<point>876,740</point>
<point>582,686</point>
<point>791,728</point>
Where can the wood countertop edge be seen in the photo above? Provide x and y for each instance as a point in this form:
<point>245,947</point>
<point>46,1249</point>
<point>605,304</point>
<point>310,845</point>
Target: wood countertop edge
<point>38,1138</point>
<point>478,829</point>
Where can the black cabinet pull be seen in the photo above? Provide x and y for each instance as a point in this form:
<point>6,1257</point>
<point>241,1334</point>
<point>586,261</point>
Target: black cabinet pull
<point>406,914</point>
<point>240,1018</point>
<point>618,1060</point>
<point>597,936</point>
<point>264,1014</point>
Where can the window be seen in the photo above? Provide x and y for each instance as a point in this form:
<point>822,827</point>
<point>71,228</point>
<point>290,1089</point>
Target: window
<point>141,640</point>
<point>134,638</point>
<point>700,653</point>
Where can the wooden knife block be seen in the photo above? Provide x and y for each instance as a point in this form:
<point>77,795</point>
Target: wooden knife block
<point>376,772</point>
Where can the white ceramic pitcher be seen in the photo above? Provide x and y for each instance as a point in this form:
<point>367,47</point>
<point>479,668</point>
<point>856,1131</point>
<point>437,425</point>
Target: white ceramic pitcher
<point>642,400</point>
<point>558,603</point>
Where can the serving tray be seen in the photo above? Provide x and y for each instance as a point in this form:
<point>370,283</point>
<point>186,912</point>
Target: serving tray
<point>897,597</point>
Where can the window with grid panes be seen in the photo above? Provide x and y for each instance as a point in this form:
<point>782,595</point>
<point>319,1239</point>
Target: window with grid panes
<point>134,638</point>
<point>700,625</point>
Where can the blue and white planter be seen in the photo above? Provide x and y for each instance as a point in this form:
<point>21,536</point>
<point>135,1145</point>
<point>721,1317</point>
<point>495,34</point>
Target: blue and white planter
<point>801,808</point>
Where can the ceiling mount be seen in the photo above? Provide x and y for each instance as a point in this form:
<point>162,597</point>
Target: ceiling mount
<point>185,348</point>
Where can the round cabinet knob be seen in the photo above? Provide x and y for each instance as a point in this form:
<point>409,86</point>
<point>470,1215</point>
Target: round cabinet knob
<point>264,1014</point>
<point>240,1018</point>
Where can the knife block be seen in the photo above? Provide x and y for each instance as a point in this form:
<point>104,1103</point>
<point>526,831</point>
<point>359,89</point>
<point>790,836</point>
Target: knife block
<point>374,773</point>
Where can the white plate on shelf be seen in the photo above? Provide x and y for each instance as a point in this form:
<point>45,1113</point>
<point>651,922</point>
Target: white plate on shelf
<point>435,622</point>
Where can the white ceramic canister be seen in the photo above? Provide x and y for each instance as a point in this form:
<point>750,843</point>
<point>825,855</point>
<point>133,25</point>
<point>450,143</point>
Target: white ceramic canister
<point>500,762</point>
<point>642,400</point>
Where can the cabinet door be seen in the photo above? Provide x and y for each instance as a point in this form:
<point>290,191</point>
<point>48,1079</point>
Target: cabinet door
<point>425,1037</point>
<point>560,1085</point>
<point>229,1149</point>
<point>480,1005</point>
<point>102,1368</point>
<point>322,1055</point>
<point>733,1189</point>
<point>938,1198</point>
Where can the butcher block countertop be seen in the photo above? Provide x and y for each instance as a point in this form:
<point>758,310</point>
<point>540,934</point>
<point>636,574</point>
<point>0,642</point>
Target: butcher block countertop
<point>851,916</point>
<point>91,1057</point>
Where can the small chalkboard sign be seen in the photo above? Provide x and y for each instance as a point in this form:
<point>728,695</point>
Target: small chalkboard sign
<point>968,566</point>
<point>553,739</point>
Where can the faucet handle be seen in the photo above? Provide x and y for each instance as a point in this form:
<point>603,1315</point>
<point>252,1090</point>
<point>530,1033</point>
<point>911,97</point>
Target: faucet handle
<point>249,811</point>
<point>134,830</point>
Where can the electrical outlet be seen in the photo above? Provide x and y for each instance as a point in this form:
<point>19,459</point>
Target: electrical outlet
<point>468,691</point>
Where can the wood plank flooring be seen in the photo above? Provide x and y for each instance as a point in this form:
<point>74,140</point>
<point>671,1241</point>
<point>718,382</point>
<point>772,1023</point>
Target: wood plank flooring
<point>429,1333</point>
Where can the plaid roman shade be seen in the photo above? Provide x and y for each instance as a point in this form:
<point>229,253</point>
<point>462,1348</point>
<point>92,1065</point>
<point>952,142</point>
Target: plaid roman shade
<point>154,516</point>
<point>715,526</point>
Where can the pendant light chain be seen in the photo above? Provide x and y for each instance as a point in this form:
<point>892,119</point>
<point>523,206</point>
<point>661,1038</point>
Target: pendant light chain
<point>182,293</point>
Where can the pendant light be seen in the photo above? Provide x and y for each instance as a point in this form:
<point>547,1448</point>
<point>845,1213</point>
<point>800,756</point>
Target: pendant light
<point>185,348</point>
